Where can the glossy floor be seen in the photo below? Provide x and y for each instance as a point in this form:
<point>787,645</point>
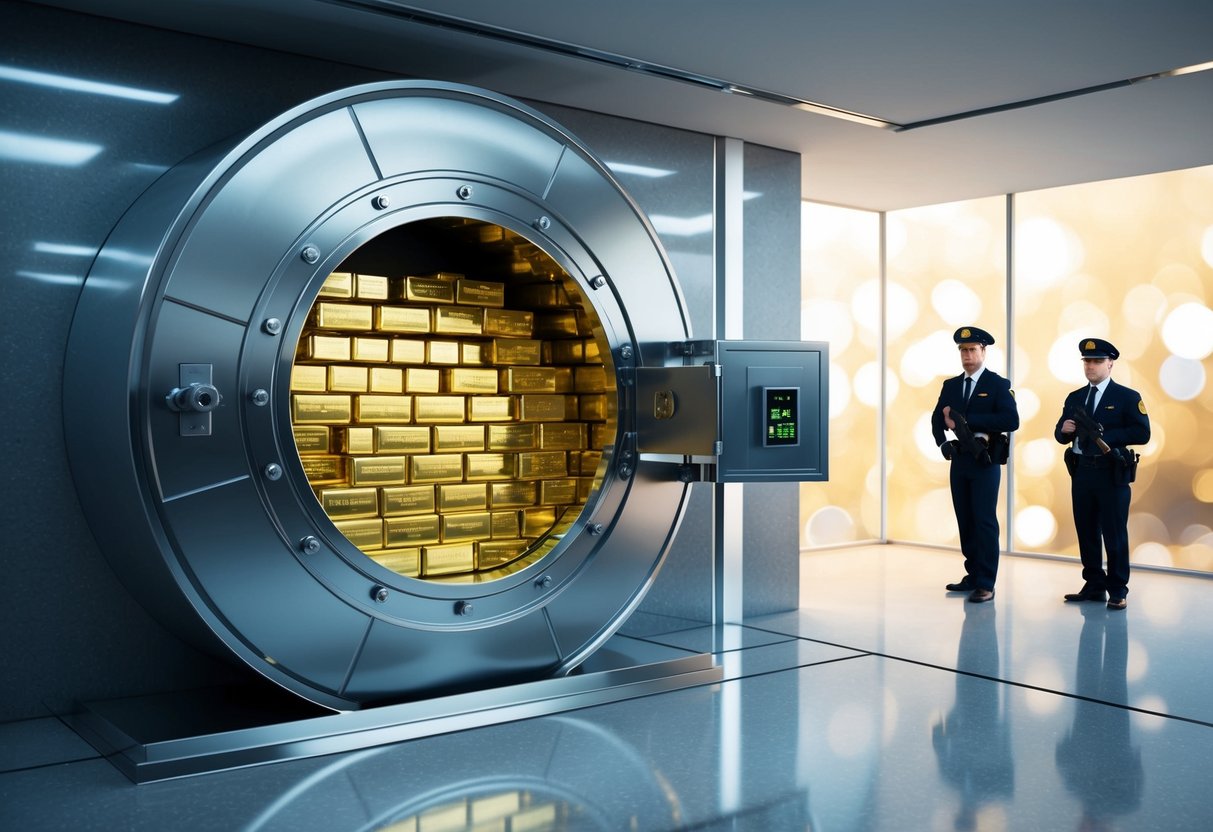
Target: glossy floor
<point>883,703</point>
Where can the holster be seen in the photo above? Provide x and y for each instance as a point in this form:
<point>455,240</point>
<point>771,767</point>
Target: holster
<point>1124,466</point>
<point>1000,448</point>
<point>1071,459</point>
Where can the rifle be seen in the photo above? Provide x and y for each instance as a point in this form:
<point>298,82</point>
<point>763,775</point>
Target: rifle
<point>1089,429</point>
<point>969,443</point>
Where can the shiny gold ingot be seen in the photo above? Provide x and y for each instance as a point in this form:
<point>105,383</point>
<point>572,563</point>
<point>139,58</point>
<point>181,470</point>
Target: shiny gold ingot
<point>405,562</point>
<point>407,351</point>
<point>442,352</point>
<point>379,470</point>
<point>311,439</point>
<point>506,524</point>
<point>311,409</point>
<point>593,353</point>
<point>345,503</point>
<point>556,324</point>
<point>585,485</point>
<point>422,380</point>
<point>568,351</point>
<point>562,436</point>
<point>512,494</point>
<point>601,435</point>
<point>444,560</point>
<point>491,553</point>
<point>428,290</point>
<point>323,470</point>
<point>463,497</point>
<point>449,438</point>
<point>408,319</point>
<point>400,439</point>
<point>472,352</point>
<point>307,378</point>
<point>509,323</point>
<point>373,407</point>
<point>540,296</point>
<point>476,525</point>
<point>589,379</point>
<point>338,285</point>
<point>537,521</point>
<point>487,467</point>
<point>537,407</point>
<point>512,437</point>
<point>371,349</point>
<point>558,492</point>
<point>341,316</point>
<point>491,234</point>
<point>398,500</point>
<point>564,379</point>
<point>358,440</point>
<point>458,320</point>
<point>371,287</point>
<point>533,465</point>
<point>436,468</point>
<point>592,407</point>
<point>479,292</point>
<point>440,409</point>
<point>469,380</point>
<point>515,351</point>
<point>528,380</point>
<point>327,348</point>
<point>490,408</point>
<point>385,380</point>
<point>410,531</point>
<point>586,462</point>
<point>365,534</point>
<point>346,379</point>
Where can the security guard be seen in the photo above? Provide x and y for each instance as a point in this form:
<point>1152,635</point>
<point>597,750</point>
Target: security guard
<point>979,407</point>
<point>1100,420</point>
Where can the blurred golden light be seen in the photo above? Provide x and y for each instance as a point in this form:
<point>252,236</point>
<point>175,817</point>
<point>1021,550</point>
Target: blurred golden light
<point>1035,525</point>
<point>1038,457</point>
<point>1028,404</point>
<point>868,386</point>
<point>930,360</point>
<point>1206,246</point>
<point>955,302</point>
<point>1196,533</point>
<point>1151,554</point>
<point>934,517</point>
<point>1065,361</point>
<point>1179,282</point>
<point>902,309</point>
<point>1188,331</point>
<point>865,305</point>
<point>1045,252</point>
<point>828,526</point>
<point>1202,485</point>
<point>925,440</point>
<point>1144,305</point>
<point>840,390</point>
<point>827,320</point>
<point>1144,526</point>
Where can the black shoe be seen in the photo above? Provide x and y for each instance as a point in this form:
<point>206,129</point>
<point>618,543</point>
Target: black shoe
<point>980,596</point>
<point>963,585</point>
<point>1087,595</point>
<point>1118,603</point>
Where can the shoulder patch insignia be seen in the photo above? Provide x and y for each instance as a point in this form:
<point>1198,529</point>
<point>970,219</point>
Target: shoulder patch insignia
<point>1141,405</point>
<point>1012,392</point>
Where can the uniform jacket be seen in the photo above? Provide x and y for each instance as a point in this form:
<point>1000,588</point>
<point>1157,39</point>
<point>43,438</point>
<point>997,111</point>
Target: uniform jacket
<point>1121,412</point>
<point>991,408</point>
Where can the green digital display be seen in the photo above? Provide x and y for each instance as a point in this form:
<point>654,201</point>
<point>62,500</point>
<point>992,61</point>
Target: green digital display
<point>781,423</point>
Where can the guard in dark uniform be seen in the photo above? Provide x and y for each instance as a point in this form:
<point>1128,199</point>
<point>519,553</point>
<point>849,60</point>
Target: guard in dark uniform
<point>1101,420</point>
<point>979,407</point>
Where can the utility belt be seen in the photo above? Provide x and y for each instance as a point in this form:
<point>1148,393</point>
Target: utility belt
<point>1121,462</point>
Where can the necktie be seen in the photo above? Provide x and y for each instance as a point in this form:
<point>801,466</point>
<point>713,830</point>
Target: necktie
<point>1086,445</point>
<point>968,388</point>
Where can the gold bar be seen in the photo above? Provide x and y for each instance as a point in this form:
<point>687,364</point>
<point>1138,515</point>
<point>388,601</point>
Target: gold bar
<point>585,485</point>
<point>358,441</point>
<point>340,316</point>
<point>463,497</point>
<point>479,292</point>
<point>309,409</point>
<point>379,470</point>
<point>337,285</point>
<point>490,408</point>
<point>540,296</point>
<point>421,380</point>
<point>515,351</point>
<point>510,323</point>
<point>469,380</point>
<point>558,492</point>
<point>323,470</point>
<point>458,438</point>
<point>534,465</point>
<point>407,351</point>
<point>343,503</point>
<point>414,319</point>
<point>512,494</point>
<point>570,351</point>
<point>538,407</point>
<point>506,524</point>
<point>562,436</point>
<point>592,352</point>
<point>443,560</point>
<point>436,468</point>
<point>371,349</point>
<point>400,439</point>
<point>512,437</point>
<point>456,528</point>
<point>373,407</point>
<point>590,378</point>
<point>370,287</point>
<point>601,435</point>
<point>326,348</point>
<point>491,234</point>
<point>309,378</point>
<point>411,531</point>
<point>344,379</point>
<point>572,408</point>
<point>537,521</point>
<point>561,324</point>
<point>386,380</point>
<point>311,439</point>
<point>445,409</point>
<point>473,352</point>
<point>442,352</point>
<point>458,320</point>
<point>564,379</point>
<point>406,499</point>
<point>405,562</point>
<point>362,533</point>
<point>485,467</point>
<point>491,553</point>
<point>585,462</point>
<point>528,380</point>
<point>429,289</point>
<point>592,407</point>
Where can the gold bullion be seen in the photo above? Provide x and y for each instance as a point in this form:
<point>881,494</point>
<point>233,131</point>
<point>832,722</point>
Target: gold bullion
<point>498,552</point>
<point>474,525</point>
<point>346,379</point>
<point>458,438</point>
<point>491,234</point>
<point>401,439</point>
<point>405,562</point>
<point>472,352</point>
<point>564,379</point>
<point>506,524</point>
<point>558,492</point>
<point>311,439</point>
<point>421,380</point>
<point>562,436</point>
<point>490,408</point>
<point>538,407</point>
<point>344,503</point>
<point>537,521</point>
<point>366,534</point>
<point>567,351</point>
<point>371,349</point>
<point>429,290</point>
<point>528,380</point>
<point>510,323</point>
<point>556,324</point>
<point>386,380</point>
<point>541,296</point>
<point>327,348</point>
<point>322,470</point>
<point>458,320</point>
<point>436,468</point>
<point>379,470</point>
<point>402,319</point>
<point>533,465</point>
<point>479,292</point>
<point>442,352</point>
<point>591,351</point>
<point>572,408</point>
<point>512,437</point>
<point>443,560</point>
<point>589,379</point>
<point>463,497</point>
<point>311,409</point>
<point>586,462</point>
<point>396,500</point>
<point>444,409</point>
<point>469,380</point>
<point>515,351</point>
<point>407,351</point>
<point>601,435</point>
<point>410,531</point>
<point>358,440</point>
<point>485,467</point>
<point>338,285</point>
<point>592,407</point>
<point>341,316</point>
<point>370,287</point>
<point>584,486</point>
<point>374,407</point>
<point>512,494</point>
<point>308,378</point>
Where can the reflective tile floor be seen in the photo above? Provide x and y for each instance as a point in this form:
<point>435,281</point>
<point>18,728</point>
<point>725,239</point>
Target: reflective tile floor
<point>882,704</point>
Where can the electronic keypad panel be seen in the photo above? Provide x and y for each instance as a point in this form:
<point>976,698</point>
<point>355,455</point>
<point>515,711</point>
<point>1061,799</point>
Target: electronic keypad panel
<point>781,416</point>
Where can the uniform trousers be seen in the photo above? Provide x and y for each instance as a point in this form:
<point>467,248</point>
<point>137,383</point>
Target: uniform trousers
<point>975,499</point>
<point>1101,511</point>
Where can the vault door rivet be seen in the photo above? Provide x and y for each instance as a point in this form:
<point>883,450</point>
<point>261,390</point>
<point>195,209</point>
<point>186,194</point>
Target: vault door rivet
<point>379,594</point>
<point>310,254</point>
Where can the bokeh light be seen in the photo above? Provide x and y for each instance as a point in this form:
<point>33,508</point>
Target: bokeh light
<point>1035,526</point>
<point>1188,331</point>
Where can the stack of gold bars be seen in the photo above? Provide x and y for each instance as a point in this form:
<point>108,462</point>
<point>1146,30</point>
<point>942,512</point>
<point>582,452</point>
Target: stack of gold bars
<point>447,433</point>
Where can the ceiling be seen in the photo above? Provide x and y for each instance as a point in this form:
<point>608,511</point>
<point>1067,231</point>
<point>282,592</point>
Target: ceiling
<point>900,61</point>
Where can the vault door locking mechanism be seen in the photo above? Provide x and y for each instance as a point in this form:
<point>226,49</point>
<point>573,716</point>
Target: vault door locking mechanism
<point>193,399</point>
